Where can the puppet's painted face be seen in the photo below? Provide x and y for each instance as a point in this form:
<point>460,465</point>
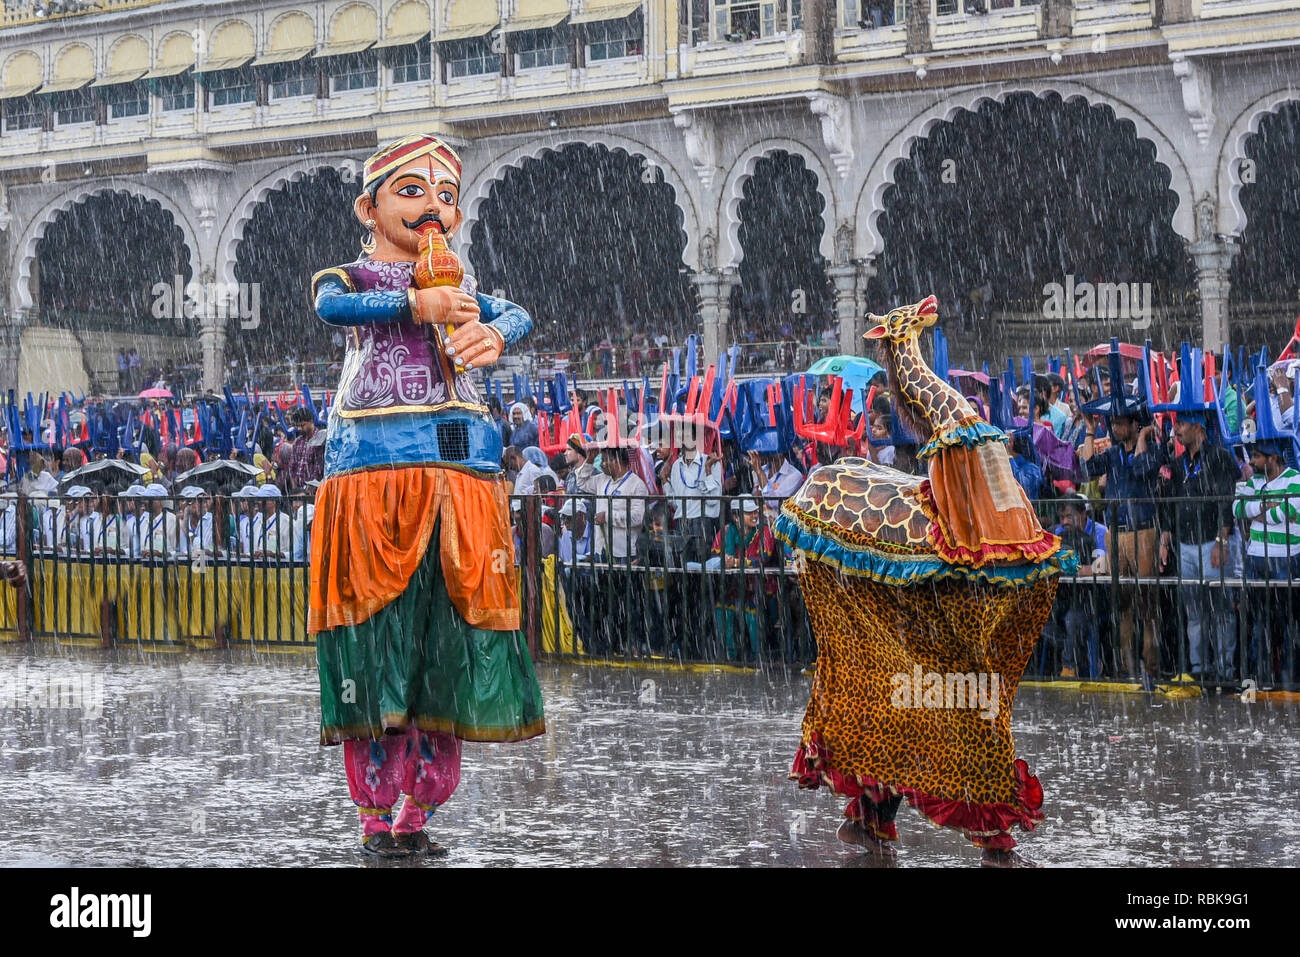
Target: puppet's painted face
<point>416,193</point>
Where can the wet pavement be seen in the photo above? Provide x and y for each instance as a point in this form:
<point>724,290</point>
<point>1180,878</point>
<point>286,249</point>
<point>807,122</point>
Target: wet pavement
<point>209,759</point>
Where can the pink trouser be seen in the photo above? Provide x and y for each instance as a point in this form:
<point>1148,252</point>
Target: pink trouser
<point>423,766</point>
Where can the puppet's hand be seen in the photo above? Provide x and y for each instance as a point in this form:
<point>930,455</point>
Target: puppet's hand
<point>475,345</point>
<point>445,305</point>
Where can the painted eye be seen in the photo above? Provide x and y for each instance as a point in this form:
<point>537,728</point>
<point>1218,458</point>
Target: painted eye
<point>411,189</point>
<point>448,197</point>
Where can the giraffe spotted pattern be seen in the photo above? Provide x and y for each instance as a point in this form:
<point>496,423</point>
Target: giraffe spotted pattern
<point>889,612</point>
<point>868,633</point>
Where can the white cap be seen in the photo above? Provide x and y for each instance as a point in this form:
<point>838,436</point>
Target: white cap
<point>248,491</point>
<point>192,491</point>
<point>155,490</point>
<point>78,491</point>
<point>573,505</point>
<point>131,491</point>
<point>268,491</point>
<point>750,504</point>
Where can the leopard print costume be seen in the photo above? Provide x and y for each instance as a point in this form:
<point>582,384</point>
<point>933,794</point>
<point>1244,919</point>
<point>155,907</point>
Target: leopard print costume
<point>891,609</point>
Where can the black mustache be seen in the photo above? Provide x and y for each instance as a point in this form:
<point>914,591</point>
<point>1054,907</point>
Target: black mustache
<point>426,218</point>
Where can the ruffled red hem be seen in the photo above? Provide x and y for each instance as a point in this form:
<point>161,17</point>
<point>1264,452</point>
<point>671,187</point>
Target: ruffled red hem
<point>1033,553</point>
<point>985,825</point>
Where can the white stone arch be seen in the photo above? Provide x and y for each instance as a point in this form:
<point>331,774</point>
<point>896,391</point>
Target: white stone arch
<point>1231,216</point>
<point>232,232</point>
<point>20,285</point>
<point>733,191</point>
<point>480,187</point>
<point>869,203</point>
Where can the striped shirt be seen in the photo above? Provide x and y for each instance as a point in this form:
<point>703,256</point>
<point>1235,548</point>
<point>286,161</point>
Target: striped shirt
<point>1278,535</point>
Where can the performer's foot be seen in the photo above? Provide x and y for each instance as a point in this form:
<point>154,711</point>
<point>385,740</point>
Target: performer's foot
<point>852,832</point>
<point>994,858</point>
<point>421,845</point>
<point>383,845</point>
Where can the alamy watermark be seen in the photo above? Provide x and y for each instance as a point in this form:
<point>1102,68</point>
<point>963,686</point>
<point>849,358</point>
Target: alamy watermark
<point>217,300</point>
<point>21,690</point>
<point>931,689</point>
<point>1125,301</point>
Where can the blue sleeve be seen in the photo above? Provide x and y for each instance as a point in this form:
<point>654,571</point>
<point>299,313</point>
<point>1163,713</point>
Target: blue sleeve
<point>1148,462</point>
<point>1099,533</point>
<point>338,307</point>
<point>1098,464</point>
<point>508,319</point>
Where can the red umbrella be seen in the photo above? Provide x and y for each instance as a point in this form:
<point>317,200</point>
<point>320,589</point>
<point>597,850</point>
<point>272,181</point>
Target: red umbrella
<point>1129,354</point>
<point>155,394</point>
<point>979,377</point>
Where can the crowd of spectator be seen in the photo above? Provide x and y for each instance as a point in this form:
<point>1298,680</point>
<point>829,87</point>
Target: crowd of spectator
<point>1162,521</point>
<point>1173,515</point>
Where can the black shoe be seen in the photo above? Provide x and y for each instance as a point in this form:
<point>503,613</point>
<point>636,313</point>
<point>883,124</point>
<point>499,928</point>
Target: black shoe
<point>383,845</point>
<point>420,844</point>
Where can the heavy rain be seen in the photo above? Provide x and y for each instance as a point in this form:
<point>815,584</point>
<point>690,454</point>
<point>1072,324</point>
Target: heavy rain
<point>550,432</point>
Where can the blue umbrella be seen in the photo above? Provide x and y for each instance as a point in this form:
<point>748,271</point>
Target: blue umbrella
<point>856,371</point>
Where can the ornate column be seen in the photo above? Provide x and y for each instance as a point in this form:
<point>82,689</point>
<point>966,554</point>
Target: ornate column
<point>212,337</point>
<point>11,334</point>
<point>849,277</point>
<point>1213,258</point>
<point>12,321</point>
<point>715,308</point>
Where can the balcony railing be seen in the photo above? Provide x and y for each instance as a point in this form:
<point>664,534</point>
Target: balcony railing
<point>45,11</point>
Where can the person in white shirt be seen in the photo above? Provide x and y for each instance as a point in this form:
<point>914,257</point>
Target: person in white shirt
<point>244,505</point>
<point>532,467</point>
<point>159,531</point>
<point>38,477</point>
<point>196,538</point>
<point>9,523</point>
<point>272,539</point>
<point>72,524</point>
<point>302,519</point>
<point>691,482</point>
<point>104,523</point>
<point>620,501</point>
<point>123,536</point>
<point>775,478</point>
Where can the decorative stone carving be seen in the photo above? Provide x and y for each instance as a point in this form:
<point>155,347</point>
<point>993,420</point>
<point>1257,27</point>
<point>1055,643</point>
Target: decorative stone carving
<point>708,251</point>
<point>1205,218</point>
<point>837,128</point>
<point>700,135</point>
<point>203,180</point>
<point>844,243</point>
<point>1198,96</point>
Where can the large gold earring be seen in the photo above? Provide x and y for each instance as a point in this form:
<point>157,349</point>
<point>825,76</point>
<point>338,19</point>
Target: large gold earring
<point>368,244</point>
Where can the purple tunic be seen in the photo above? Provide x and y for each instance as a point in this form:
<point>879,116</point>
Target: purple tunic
<point>396,366</point>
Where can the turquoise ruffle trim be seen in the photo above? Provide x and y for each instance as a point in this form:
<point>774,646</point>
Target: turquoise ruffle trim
<point>908,570</point>
<point>968,435</point>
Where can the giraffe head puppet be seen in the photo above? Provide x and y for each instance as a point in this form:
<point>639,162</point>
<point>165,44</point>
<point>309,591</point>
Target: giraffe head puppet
<point>905,322</point>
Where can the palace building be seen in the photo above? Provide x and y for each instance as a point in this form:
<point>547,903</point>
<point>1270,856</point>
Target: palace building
<point>654,166</point>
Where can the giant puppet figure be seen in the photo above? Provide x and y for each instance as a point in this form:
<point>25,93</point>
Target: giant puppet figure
<point>926,597</point>
<point>413,597</point>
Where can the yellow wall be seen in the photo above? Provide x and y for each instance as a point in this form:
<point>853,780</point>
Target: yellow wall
<point>50,360</point>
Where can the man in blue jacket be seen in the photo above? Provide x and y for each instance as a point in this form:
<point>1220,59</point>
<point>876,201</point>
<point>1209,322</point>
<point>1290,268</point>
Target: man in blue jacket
<point>1132,469</point>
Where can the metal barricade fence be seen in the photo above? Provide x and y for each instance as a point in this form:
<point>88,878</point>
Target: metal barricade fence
<point>1227,619</point>
<point>621,577</point>
<point>206,572</point>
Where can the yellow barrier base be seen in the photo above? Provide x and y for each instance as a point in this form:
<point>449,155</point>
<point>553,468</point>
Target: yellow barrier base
<point>1117,687</point>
